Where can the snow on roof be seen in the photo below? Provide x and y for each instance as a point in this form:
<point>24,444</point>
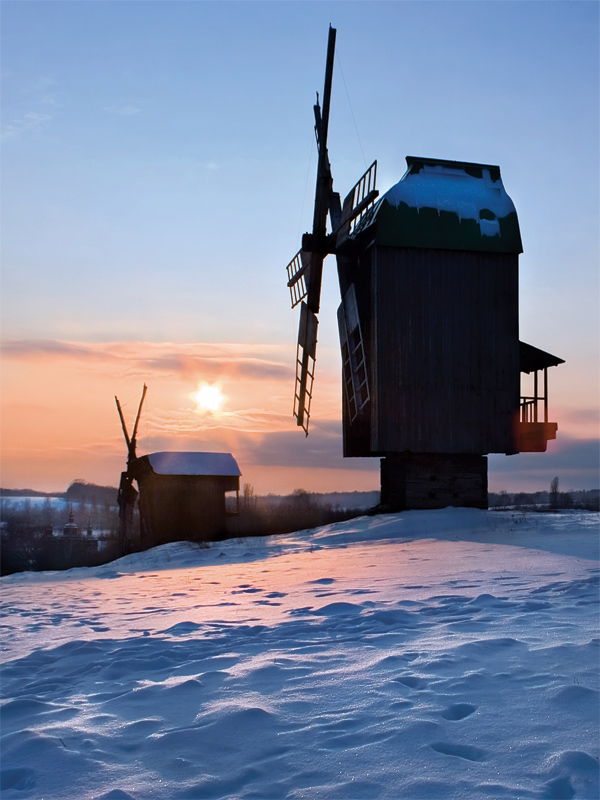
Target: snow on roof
<point>174,463</point>
<point>463,188</point>
<point>447,204</point>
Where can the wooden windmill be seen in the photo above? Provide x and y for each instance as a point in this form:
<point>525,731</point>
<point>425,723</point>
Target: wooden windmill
<point>127,492</point>
<point>428,324</point>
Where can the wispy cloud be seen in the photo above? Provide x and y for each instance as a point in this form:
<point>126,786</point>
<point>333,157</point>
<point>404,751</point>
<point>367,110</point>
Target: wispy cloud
<point>28,123</point>
<point>248,420</point>
<point>50,100</point>
<point>581,415</point>
<point>191,361</point>
<point>213,367</point>
<point>565,453</point>
<point>48,348</point>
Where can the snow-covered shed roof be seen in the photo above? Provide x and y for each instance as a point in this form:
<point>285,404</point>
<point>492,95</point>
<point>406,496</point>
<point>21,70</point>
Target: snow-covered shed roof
<point>175,463</point>
<point>454,205</point>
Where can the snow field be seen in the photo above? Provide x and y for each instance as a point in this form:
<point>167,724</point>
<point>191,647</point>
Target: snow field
<point>433,655</point>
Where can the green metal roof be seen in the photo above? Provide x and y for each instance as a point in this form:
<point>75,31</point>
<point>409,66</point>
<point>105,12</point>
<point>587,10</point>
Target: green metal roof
<point>453,205</point>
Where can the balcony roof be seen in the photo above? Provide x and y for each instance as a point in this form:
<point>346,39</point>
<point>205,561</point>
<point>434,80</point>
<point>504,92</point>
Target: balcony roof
<point>532,358</point>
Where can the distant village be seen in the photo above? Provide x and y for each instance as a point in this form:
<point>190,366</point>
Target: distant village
<point>79,528</point>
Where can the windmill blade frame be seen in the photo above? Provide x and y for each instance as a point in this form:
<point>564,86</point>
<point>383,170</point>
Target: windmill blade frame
<point>306,353</point>
<point>356,203</point>
<point>298,270</point>
<point>305,270</point>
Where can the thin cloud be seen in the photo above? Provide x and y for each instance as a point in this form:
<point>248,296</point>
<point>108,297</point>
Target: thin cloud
<point>28,123</point>
<point>212,366</point>
<point>50,100</point>
<point>576,462</point>
<point>566,453</point>
<point>186,360</point>
<point>293,449</point>
<point>581,415</point>
<point>49,348</point>
<point>183,423</point>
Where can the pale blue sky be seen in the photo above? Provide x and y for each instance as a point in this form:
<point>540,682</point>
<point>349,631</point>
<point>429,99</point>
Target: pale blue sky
<point>158,159</point>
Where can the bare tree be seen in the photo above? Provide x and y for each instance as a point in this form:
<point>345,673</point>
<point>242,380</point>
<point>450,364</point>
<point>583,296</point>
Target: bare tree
<point>248,497</point>
<point>554,493</point>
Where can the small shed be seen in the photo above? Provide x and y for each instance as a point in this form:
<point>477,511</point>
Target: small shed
<point>182,495</point>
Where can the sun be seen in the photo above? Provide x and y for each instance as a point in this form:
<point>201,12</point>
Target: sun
<point>209,398</point>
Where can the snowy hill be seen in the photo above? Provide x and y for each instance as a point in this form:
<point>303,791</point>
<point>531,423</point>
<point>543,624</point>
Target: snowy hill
<point>438,655</point>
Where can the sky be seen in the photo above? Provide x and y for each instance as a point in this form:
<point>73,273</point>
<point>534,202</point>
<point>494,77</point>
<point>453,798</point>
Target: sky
<point>158,170</point>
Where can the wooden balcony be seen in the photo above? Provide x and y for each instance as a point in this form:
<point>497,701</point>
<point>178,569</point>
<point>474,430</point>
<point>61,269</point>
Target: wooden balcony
<point>533,437</point>
<point>534,431</point>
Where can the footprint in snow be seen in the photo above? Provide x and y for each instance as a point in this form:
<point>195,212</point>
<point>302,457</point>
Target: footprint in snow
<point>458,711</point>
<point>411,681</point>
<point>465,751</point>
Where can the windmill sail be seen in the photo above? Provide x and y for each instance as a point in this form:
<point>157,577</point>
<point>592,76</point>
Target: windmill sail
<point>298,270</point>
<point>305,365</point>
<point>362,195</point>
<point>354,369</point>
<point>306,268</point>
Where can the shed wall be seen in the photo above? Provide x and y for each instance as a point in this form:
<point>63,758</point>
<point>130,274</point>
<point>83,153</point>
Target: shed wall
<point>181,507</point>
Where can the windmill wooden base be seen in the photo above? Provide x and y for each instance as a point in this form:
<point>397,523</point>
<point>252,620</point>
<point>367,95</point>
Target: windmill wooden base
<point>433,480</point>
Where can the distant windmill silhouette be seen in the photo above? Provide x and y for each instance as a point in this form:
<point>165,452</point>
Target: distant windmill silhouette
<point>127,493</point>
<point>428,324</point>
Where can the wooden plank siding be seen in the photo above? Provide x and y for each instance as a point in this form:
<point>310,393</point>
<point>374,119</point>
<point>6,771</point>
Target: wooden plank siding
<point>444,340</point>
<point>433,480</point>
<point>183,507</point>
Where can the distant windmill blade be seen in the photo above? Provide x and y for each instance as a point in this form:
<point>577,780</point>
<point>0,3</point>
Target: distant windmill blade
<point>123,425</point>
<point>139,413</point>
<point>298,271</point>
<point>305,366</point>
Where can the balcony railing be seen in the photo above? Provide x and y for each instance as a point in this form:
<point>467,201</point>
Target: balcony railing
<point>534,430</point>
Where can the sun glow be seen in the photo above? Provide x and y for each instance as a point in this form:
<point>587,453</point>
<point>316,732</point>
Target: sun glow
<point>209,398</point>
